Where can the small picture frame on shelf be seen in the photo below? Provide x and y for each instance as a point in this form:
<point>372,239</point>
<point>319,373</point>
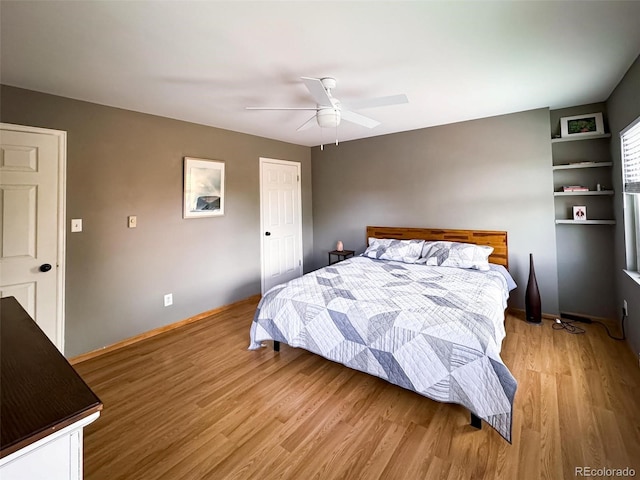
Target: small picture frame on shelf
<point>579,213</point>
<point>582,125</point>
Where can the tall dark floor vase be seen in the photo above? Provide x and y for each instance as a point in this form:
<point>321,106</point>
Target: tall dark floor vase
<point>532,304</point>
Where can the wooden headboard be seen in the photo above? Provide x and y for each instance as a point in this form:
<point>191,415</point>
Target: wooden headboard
<point>495,239</point>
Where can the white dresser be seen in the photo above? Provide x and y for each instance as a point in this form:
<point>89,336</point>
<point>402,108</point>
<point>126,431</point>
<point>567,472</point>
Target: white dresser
<point>45,404</point>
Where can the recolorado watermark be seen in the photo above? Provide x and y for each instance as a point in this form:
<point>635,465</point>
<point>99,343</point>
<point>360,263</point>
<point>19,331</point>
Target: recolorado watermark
<point>604,472</point>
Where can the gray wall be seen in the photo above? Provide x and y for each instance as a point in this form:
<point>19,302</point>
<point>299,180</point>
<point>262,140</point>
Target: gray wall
<point>122,163</point>
<point>624,107</point>
<point>490,174</point>
<point>585,252</point>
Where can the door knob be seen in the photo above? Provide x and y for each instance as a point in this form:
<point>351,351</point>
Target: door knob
<point>45,267</point>
<point>267,233</point>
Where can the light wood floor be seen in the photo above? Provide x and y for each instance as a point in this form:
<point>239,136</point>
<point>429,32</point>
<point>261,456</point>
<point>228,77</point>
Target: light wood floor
<point>194,403</point>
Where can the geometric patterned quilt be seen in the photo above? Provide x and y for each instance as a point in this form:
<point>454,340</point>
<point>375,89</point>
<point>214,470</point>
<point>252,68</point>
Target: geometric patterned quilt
<point>434,330</point>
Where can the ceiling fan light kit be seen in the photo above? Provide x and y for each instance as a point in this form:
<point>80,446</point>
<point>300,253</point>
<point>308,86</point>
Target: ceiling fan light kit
<point>330,112</point>
<point>328,117</point>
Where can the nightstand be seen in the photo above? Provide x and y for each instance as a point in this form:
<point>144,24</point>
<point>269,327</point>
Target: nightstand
<point>343,255</point>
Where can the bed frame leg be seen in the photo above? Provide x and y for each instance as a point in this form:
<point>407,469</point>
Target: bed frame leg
<point>475,421</point>
<point>276,347</point>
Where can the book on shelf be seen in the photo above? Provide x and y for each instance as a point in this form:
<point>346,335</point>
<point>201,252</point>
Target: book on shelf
<point>571,164</point>
<point>575,188</point>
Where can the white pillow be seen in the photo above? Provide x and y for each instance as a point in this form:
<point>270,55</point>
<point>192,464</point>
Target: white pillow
<point>407,251</point>
<point>454,254</point>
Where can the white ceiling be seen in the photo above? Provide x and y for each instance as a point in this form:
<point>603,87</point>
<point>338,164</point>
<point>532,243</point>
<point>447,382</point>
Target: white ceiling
<point>205,61</point>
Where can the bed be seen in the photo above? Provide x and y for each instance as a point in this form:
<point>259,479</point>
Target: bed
<point>422,323</point>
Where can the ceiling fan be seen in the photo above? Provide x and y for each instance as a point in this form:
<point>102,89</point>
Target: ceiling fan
<point>329,111</point>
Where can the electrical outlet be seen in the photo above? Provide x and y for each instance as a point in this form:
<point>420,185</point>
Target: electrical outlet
<point>625,308</point>
<point>168,299</point>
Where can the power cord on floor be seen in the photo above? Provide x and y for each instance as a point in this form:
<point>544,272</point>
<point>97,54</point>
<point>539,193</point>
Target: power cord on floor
<point>624,335</point>
<point>570,327</point>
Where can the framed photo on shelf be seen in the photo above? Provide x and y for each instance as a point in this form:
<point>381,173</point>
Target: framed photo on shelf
<point>582,125</point>
<point>203,188</point>
<point>580,213</point>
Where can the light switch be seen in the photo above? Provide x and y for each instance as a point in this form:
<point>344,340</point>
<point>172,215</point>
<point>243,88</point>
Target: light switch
<point>76,225</point>
<point>133,221</point>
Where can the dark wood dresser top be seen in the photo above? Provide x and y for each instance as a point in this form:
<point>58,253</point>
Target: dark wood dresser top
<point>40,392</point>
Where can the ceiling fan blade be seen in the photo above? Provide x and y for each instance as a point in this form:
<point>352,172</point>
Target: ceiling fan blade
<point>308,124</point>
<point>280,108</point>
<point>377,102</point>
<point>353,117</point>
<point>317,91</point>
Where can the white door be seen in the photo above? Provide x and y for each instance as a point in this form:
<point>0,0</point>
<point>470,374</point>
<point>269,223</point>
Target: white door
<point>281,220</point>
<point>32,162</point>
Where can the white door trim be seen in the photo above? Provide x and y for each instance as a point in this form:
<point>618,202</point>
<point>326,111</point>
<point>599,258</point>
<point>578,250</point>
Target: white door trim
<point>62,200</point>
<point>298,166</point>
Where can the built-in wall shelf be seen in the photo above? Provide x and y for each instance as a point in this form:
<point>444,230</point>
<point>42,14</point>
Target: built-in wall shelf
<point>585,222</point>
<point>571,166</point>
<point>580,194</point>
<point>584,137</point>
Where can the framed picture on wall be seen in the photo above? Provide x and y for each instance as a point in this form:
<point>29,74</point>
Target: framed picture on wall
<point>582,125</point>
<point>579,213</point>
<point>203,188</point>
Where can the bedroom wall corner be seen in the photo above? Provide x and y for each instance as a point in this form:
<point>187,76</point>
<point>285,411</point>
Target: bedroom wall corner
<point>492,174</point>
